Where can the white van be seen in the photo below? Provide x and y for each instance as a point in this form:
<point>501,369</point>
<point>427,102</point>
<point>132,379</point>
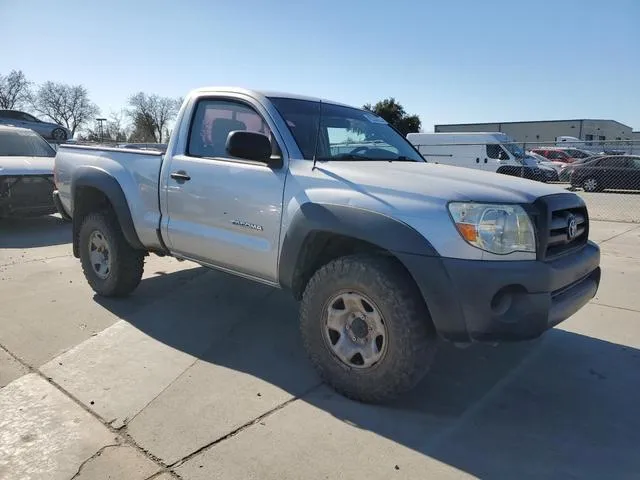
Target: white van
<point>488,151</point>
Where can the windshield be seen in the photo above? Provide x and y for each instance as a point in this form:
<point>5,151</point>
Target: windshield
<point>333,132</point>
<point>514,150</point>
<point>23,143</point>
<point>577,153</point>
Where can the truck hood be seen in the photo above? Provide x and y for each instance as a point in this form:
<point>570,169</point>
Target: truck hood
<point>434,183</point>
<point>26,165</point>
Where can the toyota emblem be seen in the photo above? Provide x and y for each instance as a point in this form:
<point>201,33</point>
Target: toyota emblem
<point>572,227</point>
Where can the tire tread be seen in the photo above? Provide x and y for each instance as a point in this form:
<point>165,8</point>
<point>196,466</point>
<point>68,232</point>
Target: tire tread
<point>413,331</point>
<point>128,263</point>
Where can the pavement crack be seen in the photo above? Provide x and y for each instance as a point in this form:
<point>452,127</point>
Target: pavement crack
<point>619,234</point>
<point>243,427</point>
<point>119,433</point>
<point>626,309</point>
<point>246,318</point>
<point>162,472</point>
<point>20,262</point>
<point>95,455</point>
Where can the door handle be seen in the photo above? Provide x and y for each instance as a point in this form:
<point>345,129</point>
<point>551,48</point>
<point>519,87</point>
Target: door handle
<point>180,176</point>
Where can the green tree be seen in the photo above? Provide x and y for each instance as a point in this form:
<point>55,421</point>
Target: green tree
<point>395,114</point>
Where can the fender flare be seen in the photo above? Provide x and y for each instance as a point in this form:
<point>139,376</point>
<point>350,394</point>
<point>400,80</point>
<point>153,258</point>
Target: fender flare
<point>365,225</point>
<point>104,182</point>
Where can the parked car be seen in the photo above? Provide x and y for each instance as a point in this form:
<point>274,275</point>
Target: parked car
<point>549,173</point>
<point>387,252</point>
<point>554,154</point>
<point>545,163</point>
<point>567,168</point>
<point>26,173</point>
<point>48,130</point>
<point>577,153</point>
<point>617,172</point>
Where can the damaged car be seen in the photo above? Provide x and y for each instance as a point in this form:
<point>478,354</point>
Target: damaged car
<point>26,173</point>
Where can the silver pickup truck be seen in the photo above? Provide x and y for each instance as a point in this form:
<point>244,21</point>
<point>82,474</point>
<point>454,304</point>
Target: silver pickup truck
<point>388,253</point>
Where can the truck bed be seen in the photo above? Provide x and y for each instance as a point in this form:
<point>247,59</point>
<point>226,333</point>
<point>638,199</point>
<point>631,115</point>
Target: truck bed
<point>136,171</point>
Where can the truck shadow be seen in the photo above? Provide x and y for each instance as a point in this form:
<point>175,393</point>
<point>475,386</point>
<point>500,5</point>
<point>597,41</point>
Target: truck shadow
<point>563,406</point>
<point>34,232</point>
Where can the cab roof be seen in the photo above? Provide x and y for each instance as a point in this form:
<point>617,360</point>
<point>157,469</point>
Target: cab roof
<point>268,94</point>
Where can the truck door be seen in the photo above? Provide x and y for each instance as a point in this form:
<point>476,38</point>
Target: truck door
<point>224,211</point>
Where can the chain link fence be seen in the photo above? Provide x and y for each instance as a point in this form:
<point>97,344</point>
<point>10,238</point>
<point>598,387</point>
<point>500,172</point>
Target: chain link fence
<point>605,174</point>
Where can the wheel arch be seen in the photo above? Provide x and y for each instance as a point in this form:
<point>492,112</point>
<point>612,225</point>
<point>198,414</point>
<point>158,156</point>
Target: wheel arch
<point>318,233</point>
<point>93,189</point>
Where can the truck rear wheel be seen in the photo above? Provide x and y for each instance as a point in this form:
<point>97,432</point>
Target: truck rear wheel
<point>366,328</point>
<point>111,266</point>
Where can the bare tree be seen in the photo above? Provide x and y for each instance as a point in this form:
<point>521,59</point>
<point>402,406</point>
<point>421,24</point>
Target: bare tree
<point>68,105</point>
<point>150,115</point>
<point>114,130</point>
<point>15,90</point>
<point>116,126</point>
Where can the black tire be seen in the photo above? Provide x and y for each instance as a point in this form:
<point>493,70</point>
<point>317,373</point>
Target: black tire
<point>59,135</point>
<point>127,263</point>
<point>411,339</point>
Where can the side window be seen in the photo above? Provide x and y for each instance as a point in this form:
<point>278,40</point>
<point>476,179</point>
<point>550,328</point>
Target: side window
<point>556,155</point>
<point>493,151</point>
<point>617,162</point>
<point>215,119</point>
<point>26,117</point>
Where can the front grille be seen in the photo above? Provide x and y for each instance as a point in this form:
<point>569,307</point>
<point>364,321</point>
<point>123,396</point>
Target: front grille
<point>559,240</point>
<point>557,217</point>
<point>28,190</point>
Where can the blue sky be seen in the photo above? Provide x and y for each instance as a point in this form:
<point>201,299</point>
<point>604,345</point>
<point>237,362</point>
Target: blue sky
<point>449,62</point>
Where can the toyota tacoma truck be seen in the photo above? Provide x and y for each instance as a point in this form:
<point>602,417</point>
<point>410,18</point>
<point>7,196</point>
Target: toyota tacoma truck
<point>388,253</point>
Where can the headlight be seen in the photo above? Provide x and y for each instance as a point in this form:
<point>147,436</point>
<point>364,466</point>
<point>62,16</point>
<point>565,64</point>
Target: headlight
<point>495,228</point>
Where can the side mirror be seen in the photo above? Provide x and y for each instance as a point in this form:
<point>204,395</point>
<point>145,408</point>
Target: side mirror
<point>249,146</point>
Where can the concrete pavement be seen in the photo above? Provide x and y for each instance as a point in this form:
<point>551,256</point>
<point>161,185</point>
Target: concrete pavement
<point>201,375</point>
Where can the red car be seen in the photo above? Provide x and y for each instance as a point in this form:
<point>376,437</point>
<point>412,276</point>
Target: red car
<point>564,155</point>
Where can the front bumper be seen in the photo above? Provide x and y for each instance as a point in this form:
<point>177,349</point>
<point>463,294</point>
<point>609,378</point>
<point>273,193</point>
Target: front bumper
<point>26,195</point>
<point>472,300</point>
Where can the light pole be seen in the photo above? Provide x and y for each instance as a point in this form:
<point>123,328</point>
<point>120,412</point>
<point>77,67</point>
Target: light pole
<point>101,120</point>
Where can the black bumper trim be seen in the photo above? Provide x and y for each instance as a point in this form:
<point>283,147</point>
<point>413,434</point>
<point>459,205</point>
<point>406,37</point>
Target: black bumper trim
<point>59,207</point>
<point>472,300</point>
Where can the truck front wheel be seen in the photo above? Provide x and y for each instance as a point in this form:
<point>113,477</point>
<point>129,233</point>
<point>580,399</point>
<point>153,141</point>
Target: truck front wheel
<point>111,266</point>
<point>366,328</point>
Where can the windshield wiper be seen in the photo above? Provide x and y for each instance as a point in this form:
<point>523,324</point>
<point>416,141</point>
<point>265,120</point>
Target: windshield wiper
<point>400,158</point>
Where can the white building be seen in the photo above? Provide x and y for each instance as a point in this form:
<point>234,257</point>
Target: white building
<point>600,132</point>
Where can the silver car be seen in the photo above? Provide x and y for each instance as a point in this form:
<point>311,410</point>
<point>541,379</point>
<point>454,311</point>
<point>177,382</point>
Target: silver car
<point>48,130</point>
<point>26,173</point>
